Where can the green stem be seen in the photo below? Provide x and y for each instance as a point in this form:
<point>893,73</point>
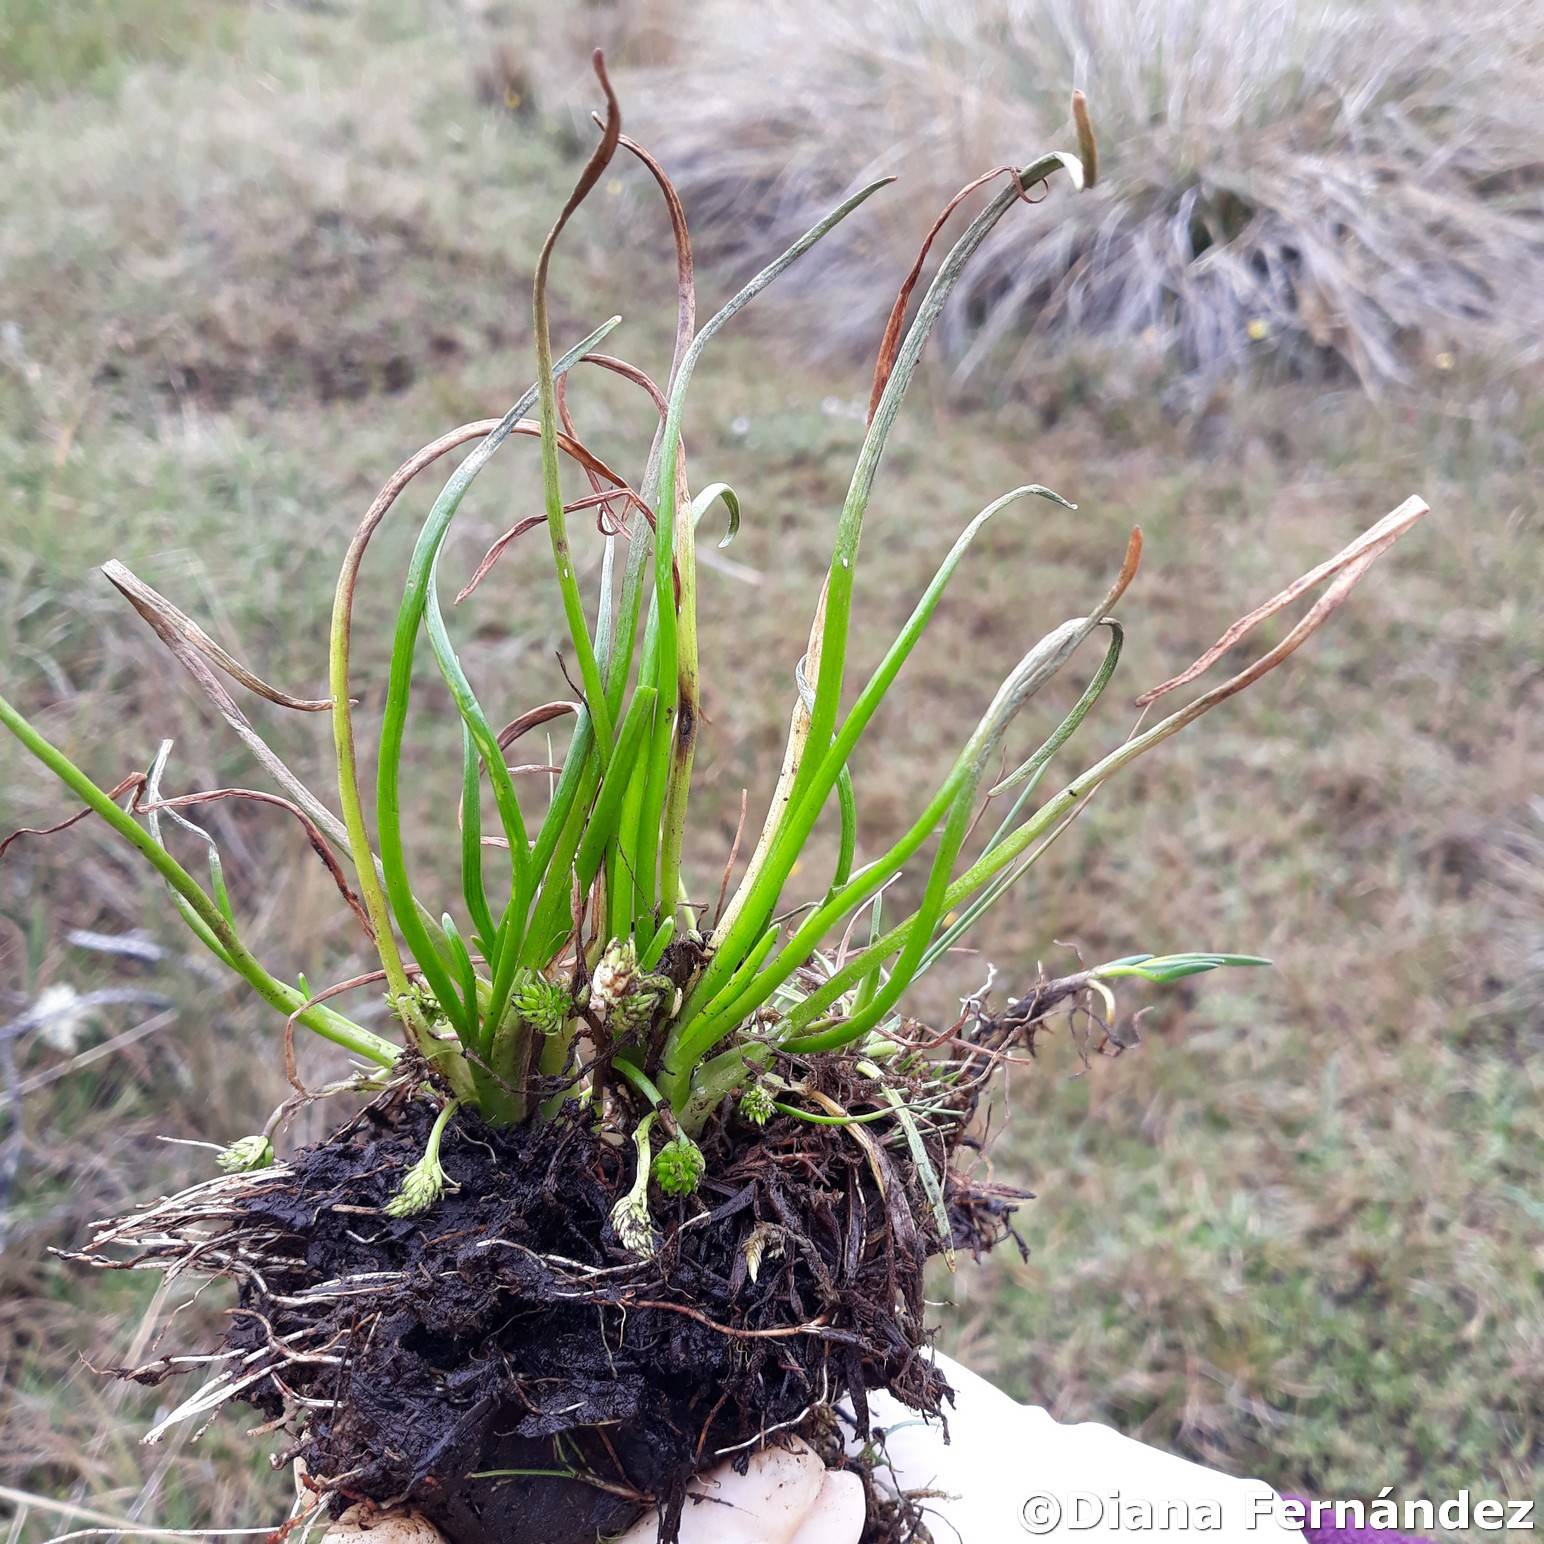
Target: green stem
<point>437,1130</point>
<point>642,1082</point>
<point>764,883</point>
<point>667,671</point>
<point>844,557</point>
<point>320,1020</point>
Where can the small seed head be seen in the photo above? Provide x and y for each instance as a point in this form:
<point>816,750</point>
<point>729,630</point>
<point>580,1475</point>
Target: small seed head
<point>421,1187</point>
<point>629,997</point>
<point>634,1012</point>
<point>543,1004</point>
<point>756,1104</point>
<point>632,1224</point>
<point>246,1154</point>
<point>616,975</point>
<point>420,1000</point>
<point>679,1166</point>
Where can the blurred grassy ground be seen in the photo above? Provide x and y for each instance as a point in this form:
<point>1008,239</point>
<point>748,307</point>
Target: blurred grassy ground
<point>251,257</point>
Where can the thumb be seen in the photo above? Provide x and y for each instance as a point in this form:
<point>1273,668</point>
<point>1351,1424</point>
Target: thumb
<point>785,1496</point>
<point>359,1525</point>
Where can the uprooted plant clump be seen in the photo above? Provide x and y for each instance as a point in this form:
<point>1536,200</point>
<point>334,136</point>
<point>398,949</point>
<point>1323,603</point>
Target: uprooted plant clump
<point>649,1177</point>
<point>515,1332</point>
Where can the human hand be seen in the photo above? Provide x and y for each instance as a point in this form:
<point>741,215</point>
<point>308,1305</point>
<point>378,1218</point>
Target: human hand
<point>1011,1471</point>
<point>1008,1471</point>
<point>786,1496</point>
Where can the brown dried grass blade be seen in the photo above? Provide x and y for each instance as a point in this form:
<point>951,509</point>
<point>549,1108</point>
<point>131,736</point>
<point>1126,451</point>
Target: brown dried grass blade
<point>600,159</point>
<point>192,660</point>
<point>533,718</point>
<point>895,327</point>
<point>1088,147</point>
<point>686,279</point>
<point>734,852</point>
<point>496,551</point>
<point>608,521</point>
<point>135,780</point>
<point>164,617</point>
<point>1355,556</point>
<point>631,372</point>
<point>591,463</point>
<point>1128,571</point>
<point>257,796</point>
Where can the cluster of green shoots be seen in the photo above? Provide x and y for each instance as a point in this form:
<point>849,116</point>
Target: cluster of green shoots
<point>588,961</point>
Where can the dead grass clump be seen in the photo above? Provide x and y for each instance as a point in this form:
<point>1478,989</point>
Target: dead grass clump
<point>1333,186</point>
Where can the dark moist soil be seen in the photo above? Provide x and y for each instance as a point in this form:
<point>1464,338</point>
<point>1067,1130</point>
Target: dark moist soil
<point>507,1329</point>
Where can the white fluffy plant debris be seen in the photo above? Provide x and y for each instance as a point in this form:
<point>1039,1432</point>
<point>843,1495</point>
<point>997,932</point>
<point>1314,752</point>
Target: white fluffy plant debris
<point>1281,180</point>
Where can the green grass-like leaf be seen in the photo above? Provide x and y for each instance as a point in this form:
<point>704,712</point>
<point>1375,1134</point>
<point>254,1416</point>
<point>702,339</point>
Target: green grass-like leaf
<point>599,931</point>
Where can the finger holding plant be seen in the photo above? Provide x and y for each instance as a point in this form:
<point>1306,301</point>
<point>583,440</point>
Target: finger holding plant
<point>577,992</point>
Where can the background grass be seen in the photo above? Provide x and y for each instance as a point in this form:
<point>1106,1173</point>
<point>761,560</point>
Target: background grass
<point>252,256</point>
<point>1355,183</point>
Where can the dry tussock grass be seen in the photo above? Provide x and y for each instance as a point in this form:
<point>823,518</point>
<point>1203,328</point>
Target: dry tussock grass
<point>1326,183</point>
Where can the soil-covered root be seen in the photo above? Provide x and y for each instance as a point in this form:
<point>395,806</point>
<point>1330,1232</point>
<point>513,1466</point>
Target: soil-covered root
<point>506,1366</point>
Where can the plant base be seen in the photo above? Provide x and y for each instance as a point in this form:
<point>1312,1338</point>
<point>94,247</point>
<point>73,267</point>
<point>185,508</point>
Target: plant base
<point>503,1364</point>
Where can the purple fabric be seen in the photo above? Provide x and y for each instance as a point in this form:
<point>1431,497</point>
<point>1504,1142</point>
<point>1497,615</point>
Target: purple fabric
<point>1330,1534</point>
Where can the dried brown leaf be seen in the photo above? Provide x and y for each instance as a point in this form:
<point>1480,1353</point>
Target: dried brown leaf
<point>166,618</point>
<point>1368,545</point>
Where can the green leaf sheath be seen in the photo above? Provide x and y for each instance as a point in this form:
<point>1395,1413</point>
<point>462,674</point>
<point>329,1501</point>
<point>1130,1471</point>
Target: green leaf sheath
<point>593,836</point>
<point>1026,778</point>
<point>394,721</point>
<point>1037,667</point>
<point>838,589</point>
<point>956,797</point>
<point>993,862</point>
<point>465,975</point>
<point>1172,967</point>
<point>844,558</point>
<point>683,744</point>
<point>475,722</point>
<point>473,891</point>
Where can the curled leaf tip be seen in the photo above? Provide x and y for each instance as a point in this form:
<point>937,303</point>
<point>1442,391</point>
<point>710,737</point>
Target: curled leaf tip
<point>1042,492</point>
<point>1128,568</point>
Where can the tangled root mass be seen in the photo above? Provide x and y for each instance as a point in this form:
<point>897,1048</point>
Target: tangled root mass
<point>438,1360</point>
